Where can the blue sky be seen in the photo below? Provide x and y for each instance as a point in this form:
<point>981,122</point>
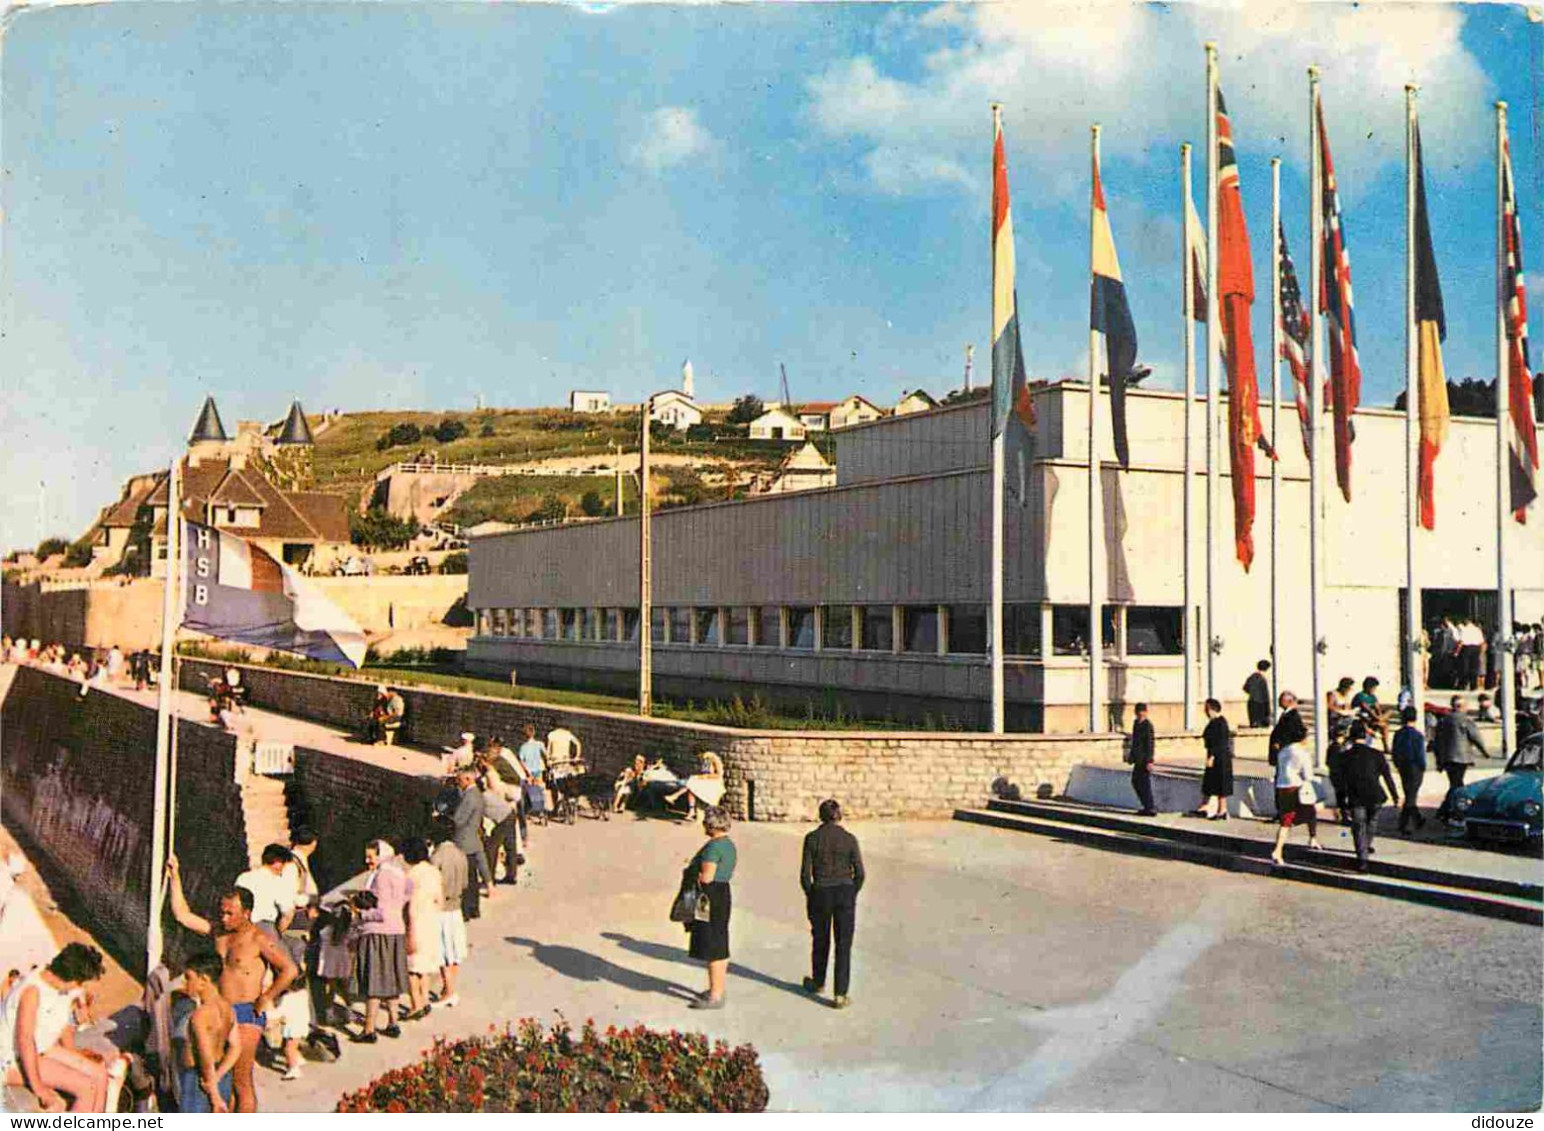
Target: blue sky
<point>366,205</point>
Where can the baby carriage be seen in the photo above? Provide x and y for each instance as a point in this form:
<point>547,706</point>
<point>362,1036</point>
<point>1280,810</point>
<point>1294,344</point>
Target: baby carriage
<point>570,789</point>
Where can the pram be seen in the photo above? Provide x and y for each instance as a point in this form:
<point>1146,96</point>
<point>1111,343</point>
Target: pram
<point>567,791</point>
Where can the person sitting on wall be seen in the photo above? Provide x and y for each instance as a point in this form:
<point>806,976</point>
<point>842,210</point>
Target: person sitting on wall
<point>628,782</point>
<point>385,717</point>
<point>706,786</point>
<point>657,784</point>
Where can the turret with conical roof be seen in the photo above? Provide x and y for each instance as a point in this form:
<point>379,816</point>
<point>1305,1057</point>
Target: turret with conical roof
<point>296,430</point>
<point>208,428</point>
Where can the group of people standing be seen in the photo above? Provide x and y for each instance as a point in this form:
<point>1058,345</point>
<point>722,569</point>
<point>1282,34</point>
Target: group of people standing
<point>90,667</point>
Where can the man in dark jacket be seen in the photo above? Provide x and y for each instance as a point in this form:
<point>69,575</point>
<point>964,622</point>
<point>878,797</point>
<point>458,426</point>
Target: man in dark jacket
<point>1257,690</point>
<point>831,874</point>
<point>1455,744</point>
<point>1143,748</point>
<point>1410,760</point>
<point>1366,773</point>
<point>1278,739</point>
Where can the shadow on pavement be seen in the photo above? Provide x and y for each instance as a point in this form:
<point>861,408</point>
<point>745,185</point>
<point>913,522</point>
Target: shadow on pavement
<point>571,962</point>
<point>672,954</point>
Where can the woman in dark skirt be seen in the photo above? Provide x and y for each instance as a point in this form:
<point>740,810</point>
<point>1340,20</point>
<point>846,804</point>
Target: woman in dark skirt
<point>380,963</point>
<point>1217,781</point>
<point>715,863</point>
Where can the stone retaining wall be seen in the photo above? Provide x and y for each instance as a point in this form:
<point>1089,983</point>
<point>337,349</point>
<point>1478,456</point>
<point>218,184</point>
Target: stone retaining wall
<point>782,775</point>
<point>76,782</point>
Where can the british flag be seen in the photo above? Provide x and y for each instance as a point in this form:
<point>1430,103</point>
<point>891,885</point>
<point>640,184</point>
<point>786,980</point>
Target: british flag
<point>1335,302</point>
<point>1295,326</point>
<point>1522,436</point>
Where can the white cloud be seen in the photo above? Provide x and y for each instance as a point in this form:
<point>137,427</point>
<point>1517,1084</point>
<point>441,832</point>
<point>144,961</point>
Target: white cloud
<point>671,135</point>
<point>1139,70</point>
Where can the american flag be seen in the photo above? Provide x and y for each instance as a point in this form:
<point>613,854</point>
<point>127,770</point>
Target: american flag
<point>1522,437</point>
<point>1294,335</point>
<point>1335,301</point>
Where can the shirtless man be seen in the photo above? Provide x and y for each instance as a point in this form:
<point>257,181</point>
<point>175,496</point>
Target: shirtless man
<point>249,955</point>
<point>210,1050</point>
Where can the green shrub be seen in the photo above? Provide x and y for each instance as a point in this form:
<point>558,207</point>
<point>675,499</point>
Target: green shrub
<point>380,530</point>
<point>592,504</point>
<point>79,554</point>
<point>525,1069</point>
<point>449,430</point>
<point>400,434</point>
<point>454,562</point>
<point>48,547</point>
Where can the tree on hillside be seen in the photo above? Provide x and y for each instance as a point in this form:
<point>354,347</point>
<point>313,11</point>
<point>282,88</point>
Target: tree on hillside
<point>378,529</point>
<point>746,409</point>
<point>449,430</point>
<point>592,504</point>
<point>400,434</point>
<point>48,547</point>
<point>78,555</point>
<point>552,508</point>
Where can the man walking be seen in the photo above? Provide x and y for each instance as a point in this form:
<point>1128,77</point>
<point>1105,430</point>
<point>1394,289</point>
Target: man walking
<point>1455,744</point>
<point>467,821</point>
<point>1143,749</point>
<point>1410,760</point>
<point>1366,774</point>
<point>1258,691</point>
<point>831,874</point>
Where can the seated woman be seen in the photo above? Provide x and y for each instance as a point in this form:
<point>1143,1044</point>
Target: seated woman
<point>655,786</point>
<point>628,781</point>
<point>707,785</point>
<point>37,1036</point>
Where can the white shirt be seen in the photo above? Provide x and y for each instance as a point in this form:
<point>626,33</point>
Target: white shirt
<point>272,895</point>
<point>1294,768</point>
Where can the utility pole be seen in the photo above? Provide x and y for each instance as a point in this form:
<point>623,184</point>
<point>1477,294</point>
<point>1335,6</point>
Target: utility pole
<point>617,449</point>
<point>970,358</point>
<point>645,565</point>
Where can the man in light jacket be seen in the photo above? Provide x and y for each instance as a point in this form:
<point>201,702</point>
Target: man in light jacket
<point>1455,746</point>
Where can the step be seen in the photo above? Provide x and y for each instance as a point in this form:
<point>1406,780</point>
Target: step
<point>1208,835</point>
<point>1472,902</point>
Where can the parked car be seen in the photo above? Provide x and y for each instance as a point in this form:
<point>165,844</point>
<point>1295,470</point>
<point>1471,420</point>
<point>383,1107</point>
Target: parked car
<point>417,565</point>
<point>1510,806</point>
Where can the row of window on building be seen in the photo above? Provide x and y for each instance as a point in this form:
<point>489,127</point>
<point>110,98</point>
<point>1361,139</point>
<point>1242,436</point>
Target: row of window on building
<point>1129,630</point>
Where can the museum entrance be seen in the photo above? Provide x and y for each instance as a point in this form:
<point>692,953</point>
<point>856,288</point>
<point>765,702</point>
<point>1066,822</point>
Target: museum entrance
<point>1451,663</point>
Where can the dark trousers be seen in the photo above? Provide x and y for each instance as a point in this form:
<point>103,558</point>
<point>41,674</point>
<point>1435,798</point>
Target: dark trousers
<point>1469,667</point>
<point>832,907</point>
<point>1455,773</point>
<point>502,835</point>
<point>1364,820</point>
<point>1259,714</point>
<point>1142,782</point>
<point>1410,783</point>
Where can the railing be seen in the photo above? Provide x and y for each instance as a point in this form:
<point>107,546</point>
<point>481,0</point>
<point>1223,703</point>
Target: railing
<point>486,469</point>
<point>273,758</point>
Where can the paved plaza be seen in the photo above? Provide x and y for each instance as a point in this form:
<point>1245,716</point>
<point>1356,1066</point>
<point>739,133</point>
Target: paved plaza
<point>1004,972</point>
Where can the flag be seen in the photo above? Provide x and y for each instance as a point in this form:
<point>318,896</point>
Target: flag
<point>1430,330</point>
<point>1013,409</point>
<point>239,591</point>
<point>1522,436</point>
<point>1235,292</point>
<point>1295,328</point>
<point>1110,318</point>
<point>1335,302</point>
<point>1195,243</point>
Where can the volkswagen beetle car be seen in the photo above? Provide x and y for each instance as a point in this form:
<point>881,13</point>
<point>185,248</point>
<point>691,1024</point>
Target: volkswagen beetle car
<point>1510,806</point>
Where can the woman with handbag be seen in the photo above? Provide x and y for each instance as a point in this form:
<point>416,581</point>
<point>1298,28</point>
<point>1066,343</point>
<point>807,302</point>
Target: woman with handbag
<point>1296,799</point>
<point>714,866</point>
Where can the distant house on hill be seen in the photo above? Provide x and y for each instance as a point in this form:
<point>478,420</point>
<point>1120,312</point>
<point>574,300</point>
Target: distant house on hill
<point>589,400</point>
<point>675,409</point>
<point>803,470</point>
<point>777,424</point>
<point>855,410</point>
<point>816,415</point>
<point>917,400</point>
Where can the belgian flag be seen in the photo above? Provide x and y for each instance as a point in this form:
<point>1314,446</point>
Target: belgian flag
<point>1430,332</point>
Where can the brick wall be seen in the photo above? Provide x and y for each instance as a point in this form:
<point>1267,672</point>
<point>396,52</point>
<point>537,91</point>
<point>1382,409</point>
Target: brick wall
<point>874,774</point>
<point>78,780</point>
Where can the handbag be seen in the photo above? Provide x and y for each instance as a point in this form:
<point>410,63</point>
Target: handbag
<point>691,904</point>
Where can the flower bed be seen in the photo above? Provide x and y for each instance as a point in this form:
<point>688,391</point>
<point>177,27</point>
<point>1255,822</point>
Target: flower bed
<point>526,1068</point>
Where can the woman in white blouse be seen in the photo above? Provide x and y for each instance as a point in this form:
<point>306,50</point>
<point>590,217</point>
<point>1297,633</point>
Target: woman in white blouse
<point>1296,799</point>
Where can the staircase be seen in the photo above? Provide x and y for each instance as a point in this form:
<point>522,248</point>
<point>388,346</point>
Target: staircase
<point>267,816</point>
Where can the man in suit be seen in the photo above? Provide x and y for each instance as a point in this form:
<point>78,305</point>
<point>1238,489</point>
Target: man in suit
<point>1410,761</point>
<point>1455,745</point>
<point>1143,749</point>
<point>1366,773</point>
<point>1257,690</point>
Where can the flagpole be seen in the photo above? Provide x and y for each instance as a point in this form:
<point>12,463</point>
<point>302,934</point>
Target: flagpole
<point>1213,348</point>
<point>1505,673</point>
<point>1095,484</point>
<point>999,447</point>
<point>1187,313</point>
<point>645,573</point>
<point>1413,602</point>
<point>1275,422</point>
<point>1316,420</point>
<point>170,616</point>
